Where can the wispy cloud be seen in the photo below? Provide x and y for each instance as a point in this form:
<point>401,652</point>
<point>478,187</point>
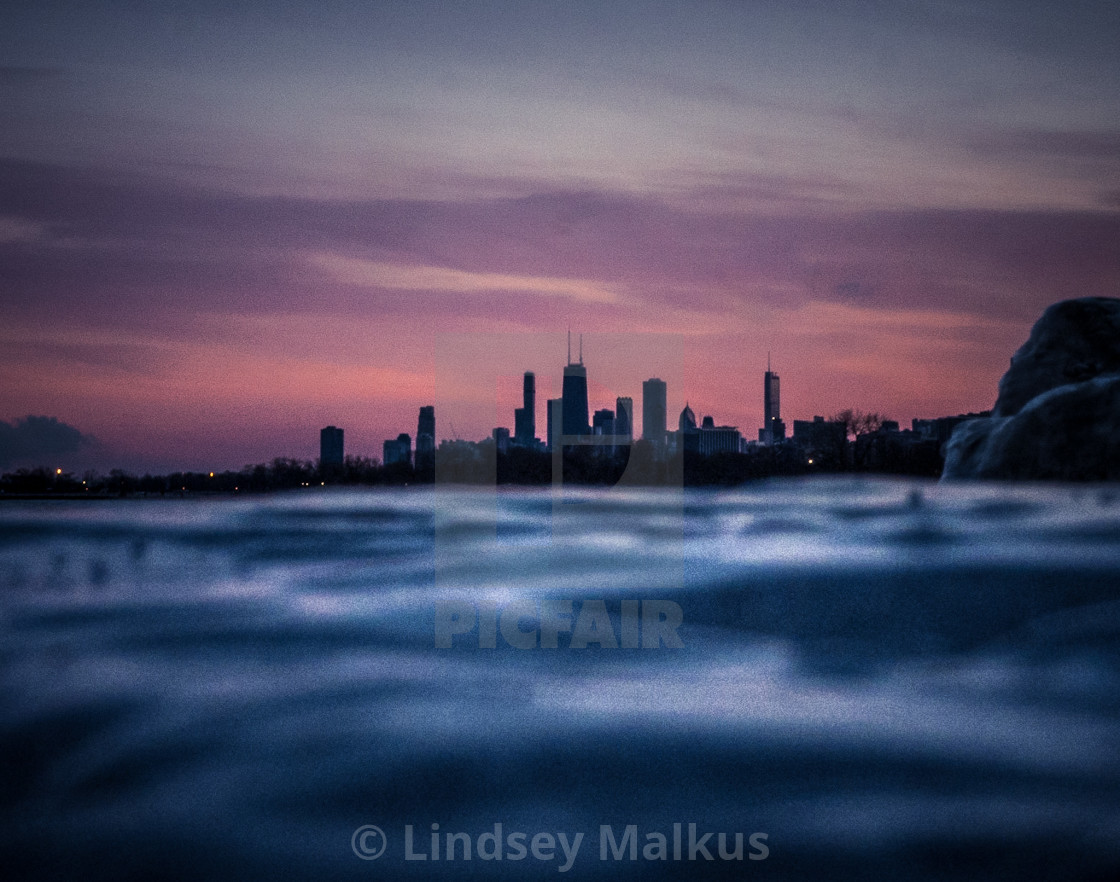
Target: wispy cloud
<point>84,247</point>
<point>376,274</point>
<point>15,229</point>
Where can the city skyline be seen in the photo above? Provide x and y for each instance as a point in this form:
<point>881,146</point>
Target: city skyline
<point>403,445</point>
<point>574,405</point>
<point>223,229</point>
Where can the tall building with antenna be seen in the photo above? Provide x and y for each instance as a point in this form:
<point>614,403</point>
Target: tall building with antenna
<point>773,429</point>
<point>574,394</point>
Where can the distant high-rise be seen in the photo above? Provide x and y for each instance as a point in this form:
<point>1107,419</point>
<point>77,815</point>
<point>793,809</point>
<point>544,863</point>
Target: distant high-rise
<point>624,417</point>
<point>330,446</point>
<point>426,437</point>
<point>399,450</point>
<point>426,425</point>
<point>773,429</point>
<point>654,407</point>
<point>525,417</point>
<point>603,423</point>
<point>554,404</point>
<point>574,395</point>
<point>771,398</point>
<point>717,439</point>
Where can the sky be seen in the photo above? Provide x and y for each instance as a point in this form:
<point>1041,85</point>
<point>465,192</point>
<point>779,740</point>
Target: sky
<point>224,226</point>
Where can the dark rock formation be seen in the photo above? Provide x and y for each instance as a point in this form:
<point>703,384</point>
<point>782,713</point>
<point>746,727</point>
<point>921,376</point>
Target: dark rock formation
<point>1057,416</point>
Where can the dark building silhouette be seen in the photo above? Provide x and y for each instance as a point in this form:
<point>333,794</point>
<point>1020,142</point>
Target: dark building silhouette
<point>654,398</point>
<point>426,436</point>
<point>501,439</point>
<point>426,424</point>
<point>719,439</point>
<point>554,411</point>
<point>707,438</point>
<point>525,417</point>
<point>521,432</point>
<point>330,446</point>
<point>624,417</point>
<point>688,436</point>
<point>824,442</point>
<point>820,432</point>
<point>941,429</point>
<point>574,394</point>
<point>687,419</point>
<point>773,429</point>
<point>602,423</point>
<point>398,450</point>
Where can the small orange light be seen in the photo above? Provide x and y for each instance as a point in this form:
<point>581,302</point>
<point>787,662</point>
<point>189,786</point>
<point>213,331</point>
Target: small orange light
<point>58,471</point>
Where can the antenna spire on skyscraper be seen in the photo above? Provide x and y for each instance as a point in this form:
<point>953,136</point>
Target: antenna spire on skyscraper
<point>581,348</point>
<point>569,344</point>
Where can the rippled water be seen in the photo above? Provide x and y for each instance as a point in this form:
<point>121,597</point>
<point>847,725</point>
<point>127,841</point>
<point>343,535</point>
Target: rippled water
<point>887,679</point>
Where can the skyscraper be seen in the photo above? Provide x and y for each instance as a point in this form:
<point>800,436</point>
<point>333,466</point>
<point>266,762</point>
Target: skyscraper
<point>602,423</point>
<point>554,404</point>
<point>426,425</point>
<point>525,417</point>
<point>773,429</point>
<point>654,410</point>
<point>426,436</point>
<point>624,417</point>
<point>330,446</point>
<point>574,394</point>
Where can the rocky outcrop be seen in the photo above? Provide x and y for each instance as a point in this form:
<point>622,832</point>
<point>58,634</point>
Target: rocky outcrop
<point>1057,416</point>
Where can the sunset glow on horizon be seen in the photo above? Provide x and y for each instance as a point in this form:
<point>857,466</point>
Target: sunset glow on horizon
<point>221,230</point>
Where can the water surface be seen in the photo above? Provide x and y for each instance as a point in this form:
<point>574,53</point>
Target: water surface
<point>888,679</point>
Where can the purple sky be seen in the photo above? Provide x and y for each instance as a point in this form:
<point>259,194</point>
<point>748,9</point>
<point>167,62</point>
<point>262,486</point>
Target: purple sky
<point>223,229</point>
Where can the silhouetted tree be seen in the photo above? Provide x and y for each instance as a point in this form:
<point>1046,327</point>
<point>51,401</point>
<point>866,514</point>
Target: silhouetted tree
<point>857,422</point>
